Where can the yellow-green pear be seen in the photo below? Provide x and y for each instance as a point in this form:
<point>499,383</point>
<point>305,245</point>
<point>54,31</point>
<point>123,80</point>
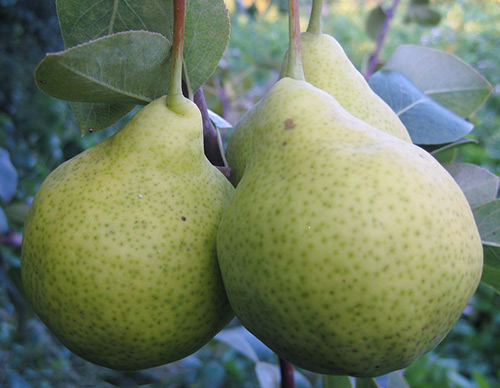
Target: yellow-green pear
<point>327,67</point>
<point>346,250</point>
<point>119,256</point>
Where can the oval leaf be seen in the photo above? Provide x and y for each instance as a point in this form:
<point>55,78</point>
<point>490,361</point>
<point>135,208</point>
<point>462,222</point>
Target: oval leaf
<point>366,383</point>
<point>3,222</point>
<point>124,68</point>
<point>443,77</point>
<point>375,21</point>
<point>487,218</point>
<point>207,27</point>
<point>94,117</point>
<point>8,177</point>
<point>235,339</point>
<point>397,380</point>
<point>426,121</point>
<point>478,184</point>
<point>332,381</point>
<point>446,153</point>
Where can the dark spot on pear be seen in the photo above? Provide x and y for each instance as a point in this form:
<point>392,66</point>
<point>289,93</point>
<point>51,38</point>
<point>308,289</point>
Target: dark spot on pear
<point>289,124</point>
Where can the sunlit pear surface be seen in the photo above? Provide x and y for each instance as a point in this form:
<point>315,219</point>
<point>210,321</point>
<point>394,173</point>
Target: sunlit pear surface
<point>119,256</point>
<point>345,249</point>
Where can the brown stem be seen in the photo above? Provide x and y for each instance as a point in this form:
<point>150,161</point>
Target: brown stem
<point>381,39</point>
<point>293,67</point>
<point>210,142</point>
<point>287,378</point>
<point>175,88</point>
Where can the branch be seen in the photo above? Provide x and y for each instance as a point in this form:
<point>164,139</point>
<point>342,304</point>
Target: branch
<point>381,39</point>
<point>210,142</point>
<point>287,378</point>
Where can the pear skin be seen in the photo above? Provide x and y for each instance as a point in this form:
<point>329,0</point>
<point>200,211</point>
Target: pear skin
<point>346,250</point>
<point>119,256</point>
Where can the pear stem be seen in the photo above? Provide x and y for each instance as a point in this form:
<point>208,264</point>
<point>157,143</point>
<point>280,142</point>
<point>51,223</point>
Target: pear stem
<point>315,25</point>
<point>294,65</point>
<point>175,95</point>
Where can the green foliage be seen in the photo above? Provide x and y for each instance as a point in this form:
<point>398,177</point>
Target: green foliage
<point>40,132</point>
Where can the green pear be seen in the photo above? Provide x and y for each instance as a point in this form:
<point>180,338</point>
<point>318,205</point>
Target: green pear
<point>119,256</point>
<point>327,67</point>
<point>345,249</point>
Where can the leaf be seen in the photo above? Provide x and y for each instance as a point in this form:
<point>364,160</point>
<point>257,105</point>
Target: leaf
<point>442,76</point>
<point>3,222</point>
<point>94,117</point>
<point>268,375</point>
<point>375,21</point>
<point>8,177</point>
<point>366,383</point>
<point>330,381</point>
<point>422,14</point>
<point>124,68</point>
<point>397,380</point>
<point>446,153</point>
<point>17,212</point>
<point>478,184</point>
<point>235,339</point>
<point>207,27</point>
<point>218,121</point>
<point>426,121</point>
<point>487,218</point>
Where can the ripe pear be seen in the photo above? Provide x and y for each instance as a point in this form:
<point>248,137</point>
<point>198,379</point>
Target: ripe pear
<point>344,249</point>
<point>327,67</point>
<point>119,256</point>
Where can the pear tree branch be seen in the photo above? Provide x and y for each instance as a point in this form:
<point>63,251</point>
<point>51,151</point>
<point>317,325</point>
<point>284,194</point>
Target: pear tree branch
<point>381,39</point>
<point>287,378</point>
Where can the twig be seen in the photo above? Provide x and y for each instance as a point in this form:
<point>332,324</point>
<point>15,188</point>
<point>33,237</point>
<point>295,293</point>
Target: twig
<point>287,378</point>
<point>210,142</point>
<point>381,39</point>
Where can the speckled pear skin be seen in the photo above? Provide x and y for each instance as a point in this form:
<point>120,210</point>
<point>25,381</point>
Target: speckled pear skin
<point>239,144</point>
<point>327,67</point>
<point>344,249</point>
<point>119,256</point>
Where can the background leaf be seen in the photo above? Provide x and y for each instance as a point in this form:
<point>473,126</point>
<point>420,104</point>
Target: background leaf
<point>487,218</point>
<point>8,177</point>
<point>427,121</point>
<point>447,153</point>
<point>235,339</point>
<point>3,222</point>
<point>332,381</point>
<point>366,383</point>
<point>125,68</point>
<point>442,76</point>
<point>397,380</point>
<point>269,376</point>
<point>374,22</point>
<point>478,184</point>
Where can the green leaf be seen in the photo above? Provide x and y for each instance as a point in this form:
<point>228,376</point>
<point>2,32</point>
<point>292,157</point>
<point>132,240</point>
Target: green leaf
<point>397,380</point>
<point>422,14</point>
<point>375,21</point>
<point>124,68</point>
<point>94,117</point>
<point>207,27</point>
<point>16,212</point>
<point>427,121</point>
<point>442,76</point>
<point>478,184</point>
<point>218,121</point>
<point>446,153</point>
<point>487,218</point>
<point>8,177</point>
<point>366,383</point>
<point>234,338</point>
<point>330,381</point>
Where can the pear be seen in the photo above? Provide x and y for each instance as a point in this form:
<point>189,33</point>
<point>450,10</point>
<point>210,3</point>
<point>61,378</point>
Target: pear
<point>344,249</point>
<point>327,67</point>
<point>119,256</point>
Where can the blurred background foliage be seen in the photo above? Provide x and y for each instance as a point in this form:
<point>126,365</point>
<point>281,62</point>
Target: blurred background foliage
<point>39,132</point>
